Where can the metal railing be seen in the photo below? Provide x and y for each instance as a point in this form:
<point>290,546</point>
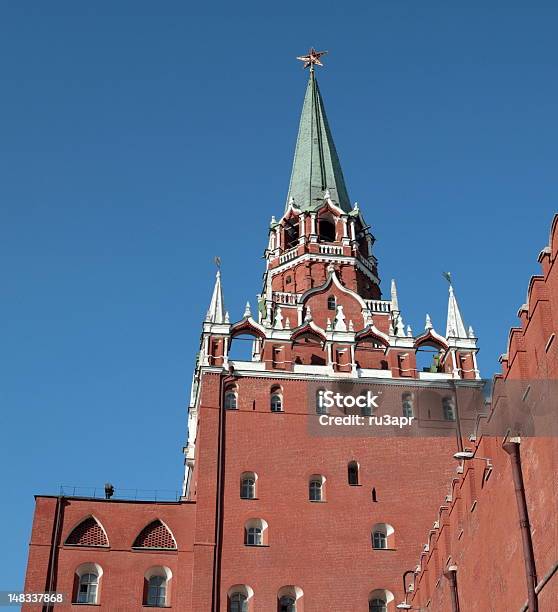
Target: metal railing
<point>121,494</point>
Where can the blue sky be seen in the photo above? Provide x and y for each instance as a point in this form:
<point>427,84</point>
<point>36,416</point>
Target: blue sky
<point>138,140</point>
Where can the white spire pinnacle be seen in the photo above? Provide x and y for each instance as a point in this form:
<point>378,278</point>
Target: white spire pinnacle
<point>216,312</point>
<point>400,326</point>
<point>247,311</point>
<point>308,316</point>
<point>428,323</point>
<point>394,300</point>
<point>409,331</point>
<point>455,327</point>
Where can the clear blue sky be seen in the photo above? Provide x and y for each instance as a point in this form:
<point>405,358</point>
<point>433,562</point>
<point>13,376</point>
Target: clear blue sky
<point>140,139</point>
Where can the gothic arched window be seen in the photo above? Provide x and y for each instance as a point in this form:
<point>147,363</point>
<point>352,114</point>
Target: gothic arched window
<point>331,303</point>
<point>352,473</point>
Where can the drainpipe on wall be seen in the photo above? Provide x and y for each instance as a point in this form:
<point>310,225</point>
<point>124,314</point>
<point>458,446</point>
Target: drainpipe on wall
<point>512,448</point>
<point>451,575</point>
<point>53,557</point>
<point>219,495</point>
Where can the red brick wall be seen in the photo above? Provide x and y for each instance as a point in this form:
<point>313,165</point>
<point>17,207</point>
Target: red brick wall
<point>488,553</point>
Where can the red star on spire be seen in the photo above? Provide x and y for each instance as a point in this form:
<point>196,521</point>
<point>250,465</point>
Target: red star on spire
<point>313,58</point>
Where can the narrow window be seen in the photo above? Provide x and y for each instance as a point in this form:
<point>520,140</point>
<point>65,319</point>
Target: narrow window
<point>254,536</point>
<point>331,303</point>
<point>449,409</point>
<point>287,604</point>
<point>238,602</point>
<point>320,402</point>
<point>353,473</point>
<point>157,591</point>
<point>87,588</point>
<point>374,495</point>
<point>315,489</point>
<point>379,540</point>
<point>248,486</point>
<point>407,402</point>
<point>377,605</point>
<point>276,403</point>
<point>230,400</point>
<point>368,408</point>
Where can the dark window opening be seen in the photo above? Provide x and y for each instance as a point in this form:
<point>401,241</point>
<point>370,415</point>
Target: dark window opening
<point>352,473</point>
<point>326,230</point>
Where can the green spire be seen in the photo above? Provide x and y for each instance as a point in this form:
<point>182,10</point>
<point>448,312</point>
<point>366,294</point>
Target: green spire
<point>316,166</point>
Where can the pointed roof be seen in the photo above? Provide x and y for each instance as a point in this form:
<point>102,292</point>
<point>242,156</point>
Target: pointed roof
<point>216,312</point>
<point>455,327</point>
<point>316,166</point>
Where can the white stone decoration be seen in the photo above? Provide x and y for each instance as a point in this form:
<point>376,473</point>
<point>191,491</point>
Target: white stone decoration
<point>409,331</point>
<point>471,332</point>
<point>287,323</point>
<point>247,311</point>
<point>339,323</point>
<point>308,316</point>
<point>351,325</point>
<point>278,319</point>
<point>428,324</point>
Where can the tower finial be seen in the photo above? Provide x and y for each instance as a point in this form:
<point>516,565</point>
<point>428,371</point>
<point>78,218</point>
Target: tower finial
<point>216,312</point>
<point>312,59</point>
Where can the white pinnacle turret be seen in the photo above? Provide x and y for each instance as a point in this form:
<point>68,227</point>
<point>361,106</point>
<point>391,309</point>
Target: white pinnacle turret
<point>428,323</point>
<point>216,312</point>
<point>455,327</point>
<point>394,299</point>
<point>247,311</point>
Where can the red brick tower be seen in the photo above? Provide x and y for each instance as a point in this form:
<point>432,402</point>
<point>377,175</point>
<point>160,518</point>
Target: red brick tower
<point>282,510</point>
<point>305,521</point>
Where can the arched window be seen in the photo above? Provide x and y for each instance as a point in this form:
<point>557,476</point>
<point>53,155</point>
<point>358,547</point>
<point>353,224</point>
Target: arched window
<point>377,605</point>
<point>238,602</point>
<point>287,604</point>
<point>239,597</point>
<point>321,408</point>
<point>331,303</point>
<point>379,599</point>
<point>157,591</point>
<point>276,400</point>
<point>407,404</point>
<point>326,229</point>
<point>383,536</point>
<point>87,583</point>
<point>254,536</point>
<point>288,598</point>
<point>316,488</point>
<point>255,532</point>
<point>157,587</point>
<point>352,473</point>
<point>248,485</point>
<point>230,399</point>
<point>379,540</point>
<point>374,495</point>
<point>449,409</point>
